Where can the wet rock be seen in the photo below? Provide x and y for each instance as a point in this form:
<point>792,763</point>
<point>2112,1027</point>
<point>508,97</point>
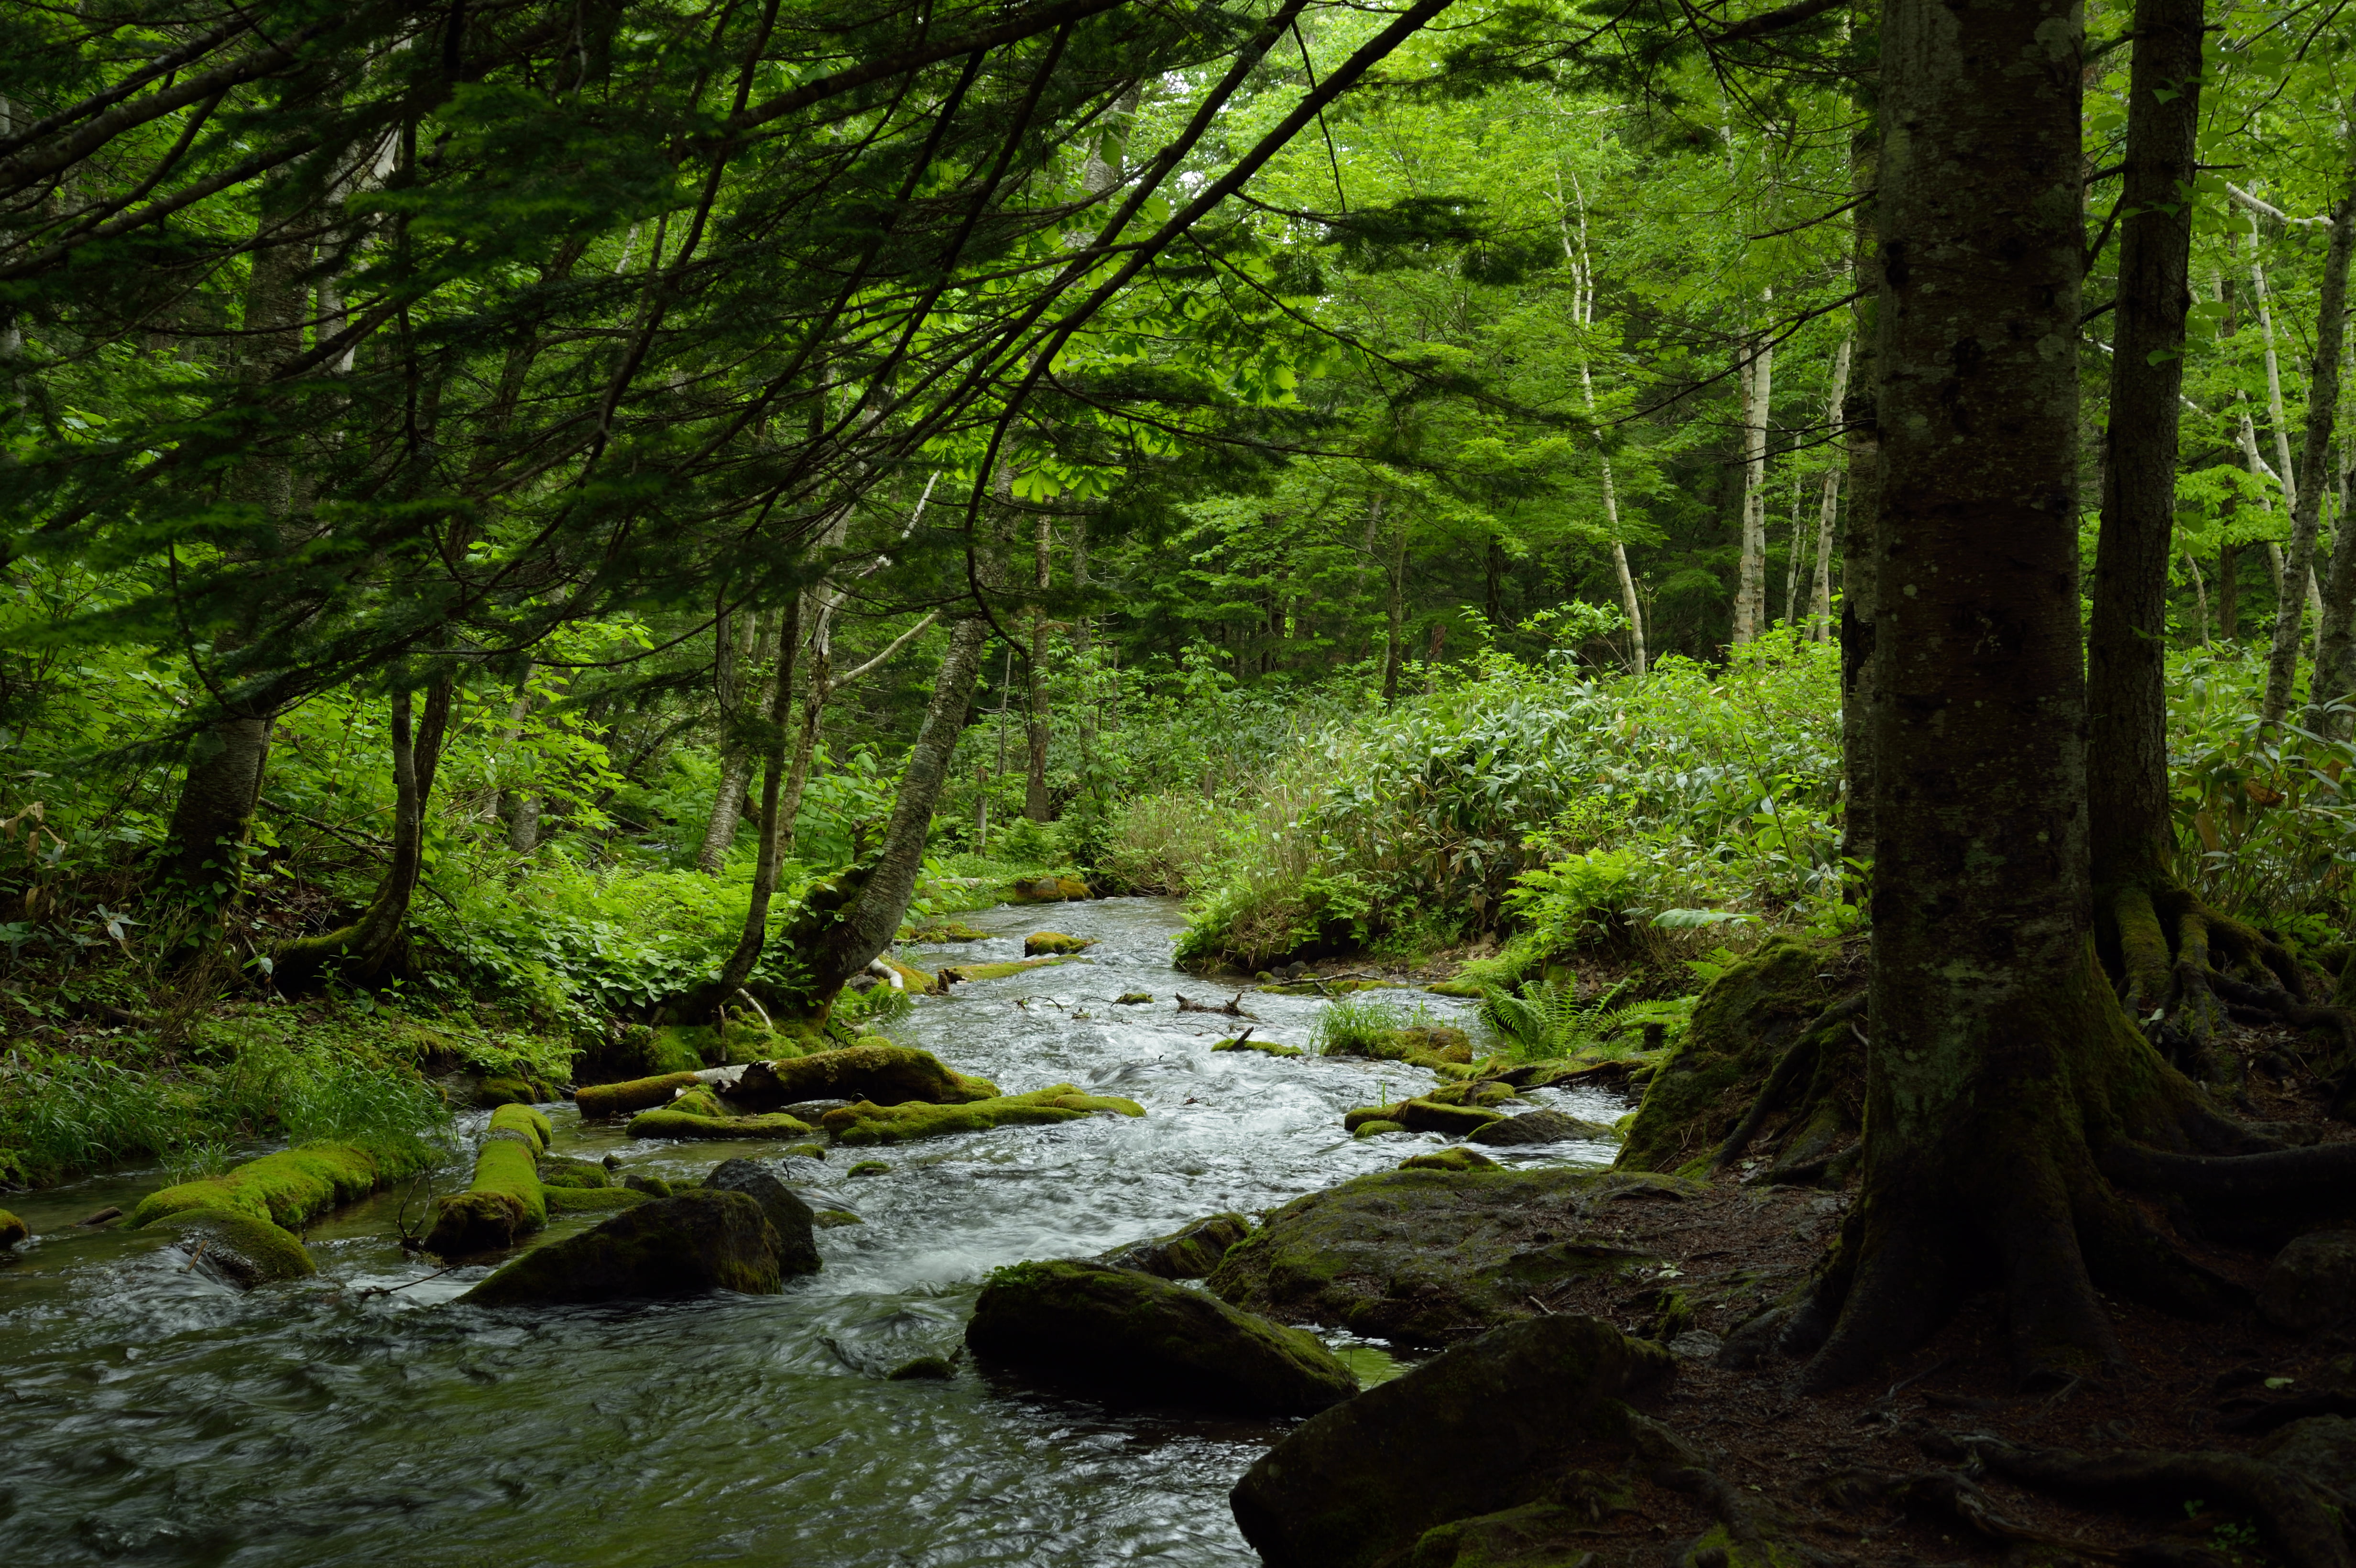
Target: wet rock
<point>561,1171</point>
<point>870,1123</point>
<point>512,1089</point>
<point>1535,1535</point>
<point>931,1367</point>
<point>1047,889</point>
<point>1487,1425</point>
<point>1429,1255</point>
<point>1189,1254</point>
<point>833,1218</point>
<point>1051,943</point>
<point>2311,1283</point>
<point>1376,1126</point>
<point>1121,1332</point>
<point>600,1101</point>
<point>791,1218</point>
<point>239,1248</point>
<point>1540,1128</point>
<point>875,1071</point>
<point>1457,1158</point>
<point>12,1230</point>
<point>2323,1449</point>
<point>949,931</point>
<point>652,1186</point>
<point>871,1168</point>
<point>685,1244</point>
<point>1132,998</point>
<point>805,1151</point>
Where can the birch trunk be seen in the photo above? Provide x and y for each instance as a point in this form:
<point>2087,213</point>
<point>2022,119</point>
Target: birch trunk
<point>1582,308</point>
<point>1820,596</point>
<point>2322,405</point>
<point>2334,665</point>
<point>736,639</point>
<point>1750,588</point>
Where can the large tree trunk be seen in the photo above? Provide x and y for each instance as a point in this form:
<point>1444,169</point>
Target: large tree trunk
<point>1860,546</point>
<point>2133,839</point>
<point>2335,671</point>
<point>1998,1057</point>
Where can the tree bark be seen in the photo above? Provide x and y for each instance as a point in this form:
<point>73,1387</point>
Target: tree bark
<point>749,943</point>
<point>1034,789</point>
<point>1751,582</point>
<point>735,639</point>
<point>2133,836</point>
<point>1862,546</point>
<point>1820,595</point>
<point>1395,634</point>
<point>2304,501</point>
<point>2335,664</point>
<point>1996,1054</point>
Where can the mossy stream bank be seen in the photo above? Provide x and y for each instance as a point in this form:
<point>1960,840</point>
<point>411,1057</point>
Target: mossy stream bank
<point>150,1412</point>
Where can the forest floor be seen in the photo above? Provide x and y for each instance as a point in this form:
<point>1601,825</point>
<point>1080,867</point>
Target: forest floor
<point>1818,1470</point>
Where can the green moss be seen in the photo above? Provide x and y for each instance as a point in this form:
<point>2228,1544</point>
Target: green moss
<point>832,1219</point>
<point>652,1186</point>
<point>1047,890</point>
<point>289,1190</point>
<point>1132,998</point>
<point>870,1167</point>
<point>593,1200</point>
<point>1050,944</point>
<point>923,1366</point>
<point>512,1089</point>
<point>1433,1046</point>
<point>1456,1158</point>
<point>683,1048</point>
<point>1265,1047</point>
<point>12,1230</point>
<point>603,1099</point>
<point>997,971</point>
<point>505,1200</point>
<point>249,1251</point>
<point>874,1070</point>
<point>1376,1126</point>
<point>577,1175</point>
<point>948,931</point>
<point>1470,989</point>
<point>524,1124</point>
<point>808,1151</point>
<point>684,1125</point>
<point>867,1123</point>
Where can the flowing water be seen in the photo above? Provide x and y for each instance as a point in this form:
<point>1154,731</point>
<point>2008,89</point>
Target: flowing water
<point>149,1414</point>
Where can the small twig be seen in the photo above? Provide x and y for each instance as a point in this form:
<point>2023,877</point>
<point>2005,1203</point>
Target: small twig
<point>199,1253</point>
<point>389,1289</point>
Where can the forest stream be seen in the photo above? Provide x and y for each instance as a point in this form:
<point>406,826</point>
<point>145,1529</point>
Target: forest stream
<point>153,1414</point>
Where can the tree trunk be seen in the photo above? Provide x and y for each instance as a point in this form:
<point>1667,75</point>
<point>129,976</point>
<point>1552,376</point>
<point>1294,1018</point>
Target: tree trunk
<point>734,639</point>
<point>2335,671</point>
<point>1860,547</point>
<point>749,943</point>
<point>2304,502</point>
<point>1035,788</point>
<point>2133,835</point>
<point>1395,634</point>
<point>215,810</point>
<point>2229,592</point>
<point>1751,585</point>
<point>1492,596</point>
<point>1996,1055</point>
<point>1820,594</point>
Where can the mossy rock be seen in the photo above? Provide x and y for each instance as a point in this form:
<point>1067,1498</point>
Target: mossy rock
<point>652,1186</point>
<point>1253,1043</point>
<point>867,1123</point>
<point>876,1070</point>
<point>1188,1254</point>
<point>1423,1115</point>
<point>239,1248</point>
<point>1534,1535</point>
<point>1457,1158</point>
<point>1054,944</point>
<point>805,1151</point>
<point>512,1089</point>
<point>564,1201</point>
<point>1132,998</point>
<point>1431,1256</point>
<point>1746,1019</point>
<point>290,1189</point>
<point>921,1368</point>
<point>562,1170</point>
<point>12,1230</point>
<point>1376,1126</point>
<point>871,1168</point>
<point>1468,990</point>
<point>1427,1046</point>
<point>1483,1428</point>
<point>948,931</point>
<point>686,1244</point>
<point>834,1218</point>
<point>682,1047</point>
<point>1047,890</point>
<point>789,1216</point>
<point>1485,1092</point>
<point>1543,1127</point>
<point>1124,1333</point>
<point>684,1126</point>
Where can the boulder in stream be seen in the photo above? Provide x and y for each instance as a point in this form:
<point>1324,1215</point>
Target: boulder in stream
<point>1542,1127</point>
<point>1051,943</point>
<point>1492,1423</point>
<point>1457,1158</point>
<point>685,1244</point>
<point>1188,1254</point>
<point>1119,1331</point>
<point>875,1071</point>
<point>237,1249</point>
<point>1432,1255</point>
<point>871,1124</point>
<point>797,1245</point>
<point>12,1230</point>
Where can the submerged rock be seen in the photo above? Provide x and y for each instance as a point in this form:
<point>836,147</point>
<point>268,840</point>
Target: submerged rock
<point>796,1248</point>
<point>1542,1127</point>
<point>2311,1283</point>
<point>12,1230</point>
<point>1246,1041</point>
<point>1188,1254</point>
<point>1119,1331</point>
<point>875,1071</point>
<point>685,1244</point>
<point>870,1123</point>
<point>1456,1158</point>
<point>236,1248</point>
<point>834,1218</point>
<point>591,1199</point>
<point>1487,1425</point>
<point>1051,943</point>
<point>1429,1255</point>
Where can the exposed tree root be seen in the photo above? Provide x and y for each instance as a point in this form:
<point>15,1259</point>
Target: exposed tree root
<point>1813,1062</point>
<point>2300,1520</point>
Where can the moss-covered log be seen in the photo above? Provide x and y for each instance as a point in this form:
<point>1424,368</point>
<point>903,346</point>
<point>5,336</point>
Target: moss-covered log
<point>238,1247</point>
<point>868,1123</point>
<point>603,1099</point>
<point>505,1200</point>
<point>290,1189</point>
<point>686,1122</point>
<point>874,1070</point>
